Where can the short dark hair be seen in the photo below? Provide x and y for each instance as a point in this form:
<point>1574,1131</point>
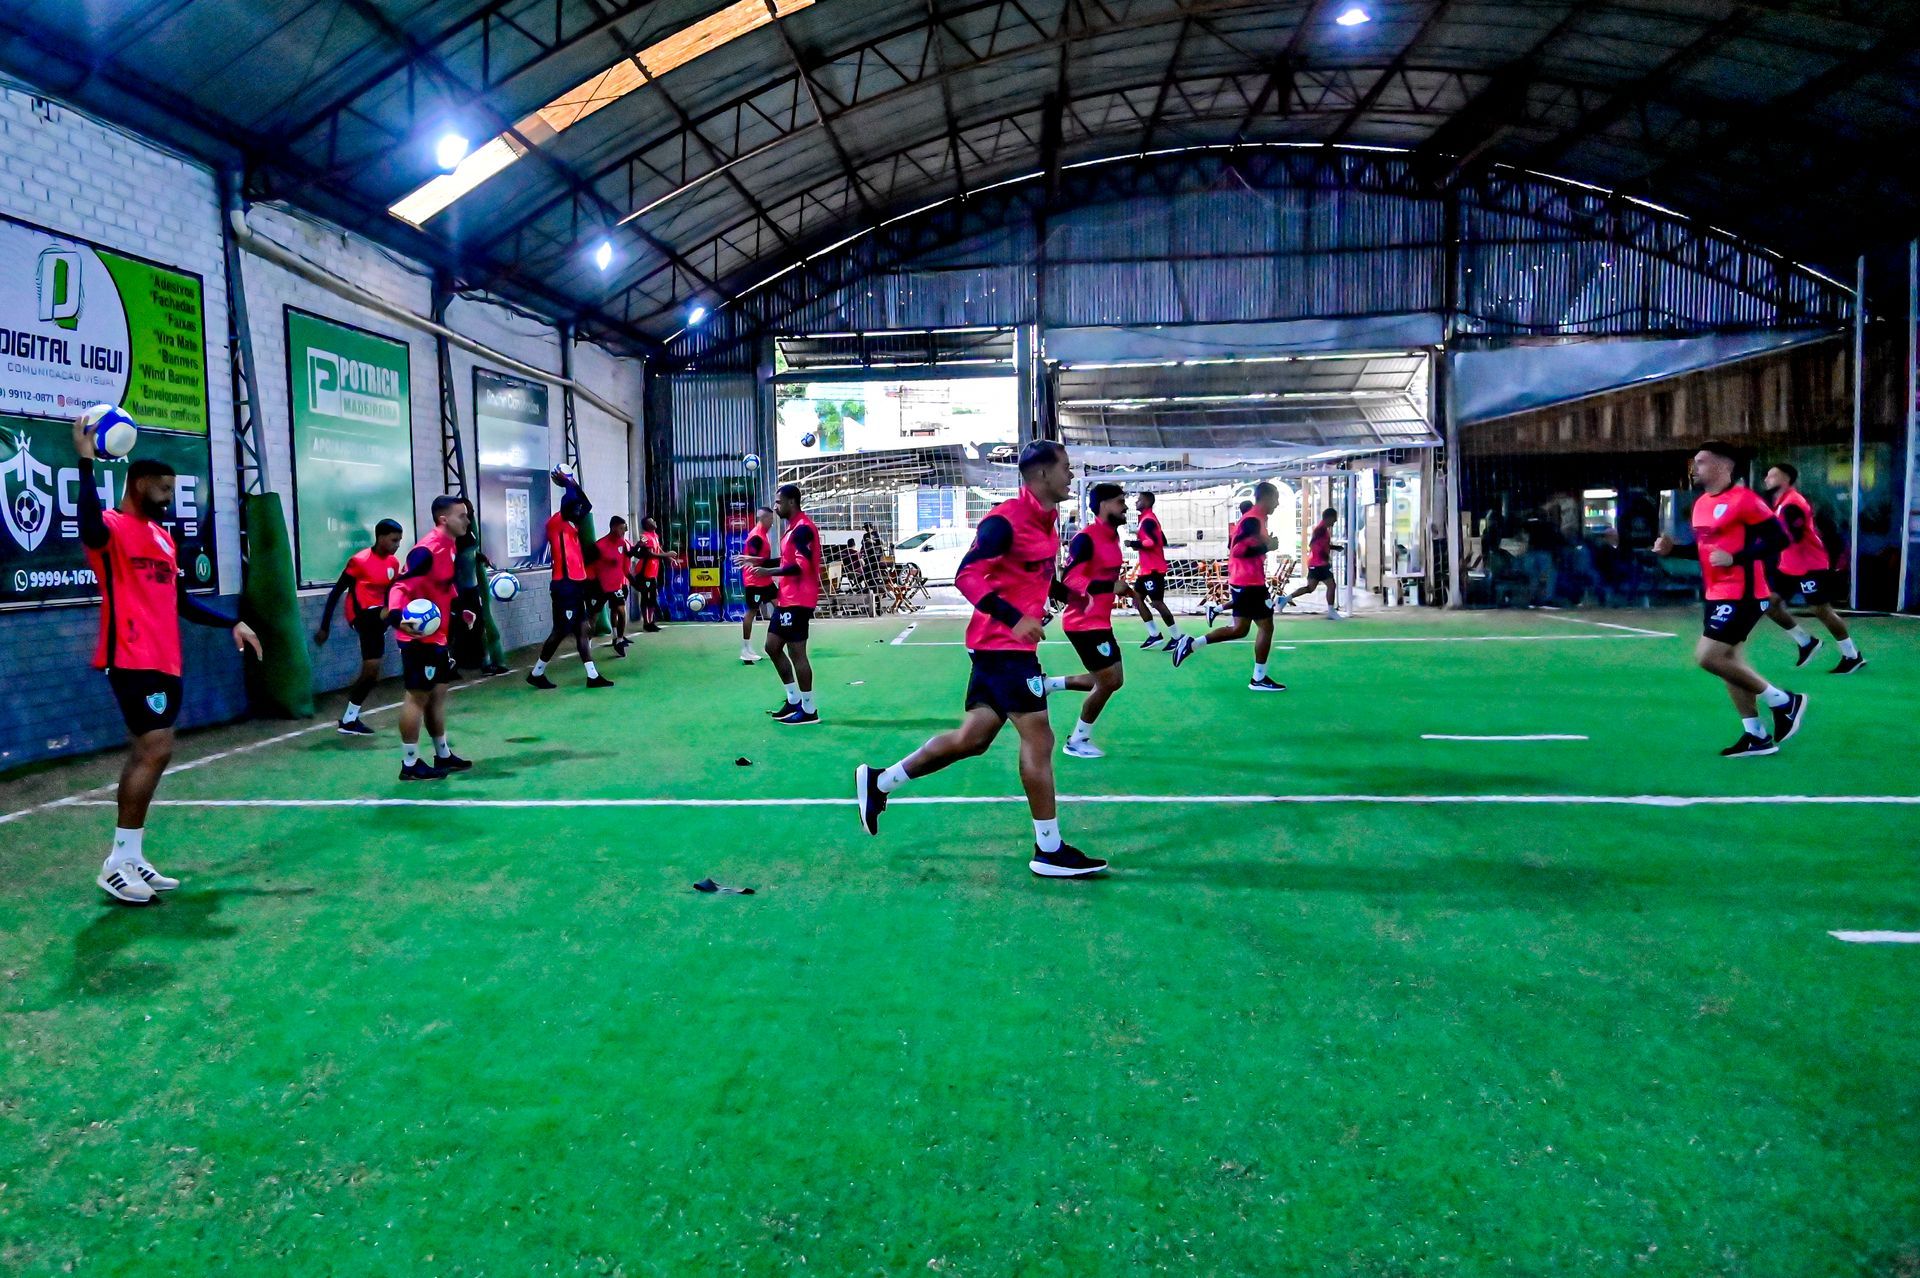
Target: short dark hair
<point>388,528</point>
<point>1040,454</point>
<point>1100,494</point>
<point>648,521</point>
<point>1146,495</point>
<point>763,510</point>
<point>1720,448</point>
<point>149,468</point>
<point>443,503</point>
<point>1791,471</point>
<point>1245,506</point>
<point>1331,512</point>
<point>790,491</point>
<point>1263,490</point>
<point>617,519</point>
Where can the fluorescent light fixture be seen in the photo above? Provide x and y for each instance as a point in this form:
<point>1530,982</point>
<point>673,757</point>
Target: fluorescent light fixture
<point>695,315</point>
<point>602,90</point>
<point>1353,17</point>
<point>450,150</point>
<point>603,255</point>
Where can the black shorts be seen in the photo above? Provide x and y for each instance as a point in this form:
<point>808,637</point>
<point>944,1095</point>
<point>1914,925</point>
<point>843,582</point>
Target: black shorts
<point>791,624</point>
<point>1251,602</point>
<point>1317,575</point>
<point>424,666</point>
<point>1814,588</point>
<point>598,598</point>
<point>569,603</point>
<point>758,595</point>
<point>1097,648</point>
<point>1151,585</point>
<point>149,700</point>
<point>371,626</point>
<point>1007,683</point>
<point>1732,620</point>
<point>649,591</point>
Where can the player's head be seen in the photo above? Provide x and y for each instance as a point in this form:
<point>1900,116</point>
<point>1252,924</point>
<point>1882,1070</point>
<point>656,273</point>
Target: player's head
<point>616,525</point>
<point>452,514</point>
<point>1143,501</point>
<point>649,524</point>
<point>1330,516</point>
<point>786,502</point>
<point>1046,472</point>
<point>150,487</point>
<point>1715,464</point>
<point>386,536</point>
<point>764,516</point>
<point>1108,502</point>
<point>1245,506</point>
<point>1782,475</point>
<point>1266,496</point>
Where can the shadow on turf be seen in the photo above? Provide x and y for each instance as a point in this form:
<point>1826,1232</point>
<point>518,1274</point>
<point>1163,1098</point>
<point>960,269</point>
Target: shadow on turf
<point>100,970</point>
<point>509,765</point>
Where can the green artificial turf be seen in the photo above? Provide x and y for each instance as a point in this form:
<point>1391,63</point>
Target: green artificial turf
<point>1336,1038</point>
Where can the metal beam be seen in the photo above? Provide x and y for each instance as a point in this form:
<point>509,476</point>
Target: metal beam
<point>1399,64</point>
<point>826,123</point>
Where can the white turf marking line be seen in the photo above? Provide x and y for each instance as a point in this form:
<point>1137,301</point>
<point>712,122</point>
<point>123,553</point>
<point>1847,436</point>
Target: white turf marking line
<point>902,636</point>
<point>1603,800</point>
<point>1531,736</point>
<point>1878,938</point>
<point>1556,615</point>
<point>1642,634</point>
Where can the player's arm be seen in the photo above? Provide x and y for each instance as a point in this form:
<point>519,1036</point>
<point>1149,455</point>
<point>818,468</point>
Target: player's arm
<point>340,587</point>
<point>191,609</point>
<point>1766,538</point>
<point>1247,541</point>
<point>805,546</point>
<point>1793,519</point>
<point>991,541</point>
<point>418,567</point>
<point>93,520</point>
<point>1077,581</point>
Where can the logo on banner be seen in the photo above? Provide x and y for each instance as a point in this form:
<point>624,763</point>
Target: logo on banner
<point>58,283</point>
<point>352,389</point>
<point>27,508</point>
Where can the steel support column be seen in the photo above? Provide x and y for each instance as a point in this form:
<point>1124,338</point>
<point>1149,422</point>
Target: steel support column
<point>250,462</point>
<point>453,456</point>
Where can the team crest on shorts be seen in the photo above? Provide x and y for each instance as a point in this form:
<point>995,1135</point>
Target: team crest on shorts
<point>157,702</point>
<point>1036,685</point>
<point>430,670</point>
<point>1105,649</point>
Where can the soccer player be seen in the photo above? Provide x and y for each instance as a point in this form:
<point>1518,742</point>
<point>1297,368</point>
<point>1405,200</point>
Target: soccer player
<point>142,598</point>
<point>1007,576</point>
<point>364,583</point>
<point>798,569</point>
<point>1089,583</point>
<point>1247,551</point>
<point>426,663</point>
<point>1150,574</point>
<point>1320,564</point>
<point>469,647</point>
<point>653,561</point>
<point>610,581</point>
<point>1736,533</point>
<point>570,584</point>
<point>1805,565</point>
<point>761,592</point>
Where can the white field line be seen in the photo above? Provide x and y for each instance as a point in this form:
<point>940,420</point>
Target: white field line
<point>1416,800</point>
<point>1878,938</point>
<point>902,636</point>
<point>1556,615</point>
<point>1646,634</point>
<point>1531,736</point>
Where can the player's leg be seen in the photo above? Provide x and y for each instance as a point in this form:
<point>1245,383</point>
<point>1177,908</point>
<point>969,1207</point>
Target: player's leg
<point>1782,616</point>
<point>1106,682</point>
<point>795,652</point>
<point>372,634</point>
<point>435,714</point>
<point>413,712</point>
<point>976,732</point>
<point>746,630</point>
<point>617,615</point>
<point>126,875</point>
<point>1262,649</point>
<point>782,667</point>
<point>583,642</point>
<point>1053,857</point>
<point>1723,657</point>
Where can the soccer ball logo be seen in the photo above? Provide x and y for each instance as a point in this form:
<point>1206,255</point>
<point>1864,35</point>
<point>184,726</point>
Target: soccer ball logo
<point>28,513</point>
<point>27,510</point>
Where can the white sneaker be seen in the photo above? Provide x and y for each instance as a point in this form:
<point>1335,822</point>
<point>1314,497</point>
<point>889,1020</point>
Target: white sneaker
<point>1281,604</point>
<point>152,877</point>
<point>1083,749</point>
<point>1334,614</point>
<point>748,657</point>
<point>120,882</point>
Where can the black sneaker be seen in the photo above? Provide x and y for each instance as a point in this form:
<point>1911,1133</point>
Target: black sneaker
<point>1068,863</point>
<point>650,629</point>
<point>353,728</point>
<point>619,648</point>
<point>493,670</point>
<point>1265,685</point>
<point>1151,642</point>
<point>540,681</point>
<point>453,763</point>
<point>1182,649</point>
<point>866,792</point>
<point>799,714</point>
<point>1848,665</point>
<point>1806,652</point>
<point>1786,719</point>
<point>786,708</point>
<point>1213,614</point>
<point>421,770</point>
<point>599,681</point>
<point>1749,747</point>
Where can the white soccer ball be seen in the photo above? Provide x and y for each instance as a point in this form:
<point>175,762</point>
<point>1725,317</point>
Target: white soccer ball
<point>420,618</point>
<point>752,462</point>
<point>504,586</point>
<point>696,603</point>
<point>567,473</point>
<point>114,432</point>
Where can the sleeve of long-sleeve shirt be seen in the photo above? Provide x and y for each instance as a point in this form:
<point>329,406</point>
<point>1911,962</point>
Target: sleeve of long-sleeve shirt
<point>992,540</point>
<point>1248,543</point>
<point>1078,578</point>
<point>419,564</point>
<point>1793,519</point>
<point>93,520</point>
<point>1765,539</point>
<point>340,587</point>
<point>191,609</point>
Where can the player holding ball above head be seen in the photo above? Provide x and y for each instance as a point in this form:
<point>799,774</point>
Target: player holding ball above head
<point>571,582</point>
<point>1735,532</point>
<point>1251,605</point>
<point>798,572</point>
<point>364,583</point>
<point>142,599</point>
<point>1088,586</point>
<point>419,607</point>
<point>1008,577</point>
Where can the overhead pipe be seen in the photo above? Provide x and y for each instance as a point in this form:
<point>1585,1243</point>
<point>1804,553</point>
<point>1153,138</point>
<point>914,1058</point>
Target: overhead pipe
<point>285,258</point>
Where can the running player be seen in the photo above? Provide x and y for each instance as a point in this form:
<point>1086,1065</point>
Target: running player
<point>1247,552</point>
<point>610,581</point>
<point>570,583</point>
<point>1007,576</point>
<point>1213,610</point>
<point>1150,574</point>
<point>1805,566</point>
<point>426,662</point>
<point>653,560</point>
<point>1091,578</point>
<point>142,598</point>
<point>1320,564</point>
<point>798,569</point>
<point>761,592</point>
<point>1735,532</point>
<point>364,583</point>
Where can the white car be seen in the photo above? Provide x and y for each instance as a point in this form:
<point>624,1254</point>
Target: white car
<point>938,552</point>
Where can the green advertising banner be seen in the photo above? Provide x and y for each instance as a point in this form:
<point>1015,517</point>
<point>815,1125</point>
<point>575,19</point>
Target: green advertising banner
<point>41,558</point>
<point>351,403</point>
<point>81,325</point>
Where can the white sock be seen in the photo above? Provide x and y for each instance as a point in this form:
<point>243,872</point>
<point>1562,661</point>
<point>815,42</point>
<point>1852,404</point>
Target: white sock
<point>352,714</point>
<point>1173,631</point>
<point>1055,683</point>
<point>126,844</point>
<point>893,778</point>
<point>806,702</point>
<point>1800,636</point>
<point>1774,697</point>
<point>1755,728</point>
<point>592,672</point>
<point>793,694</point>
<point>539,668</point>
<point>1153,629</point>
<point>1259,670</point>
<point>440,748</point>
<point>1200,641</point>
<point>1847,649</point>
<point>1047,835</point>
<point>1082,731</point>
<point>409,753</point>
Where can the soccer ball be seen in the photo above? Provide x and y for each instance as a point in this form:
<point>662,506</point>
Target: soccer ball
<point>114,432</point>
<point>504,586</point>
<point>420,618</point>
<point>696,603</point>
<point>809,439</point>
<point>567,473</point>
<point>752,461</point>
